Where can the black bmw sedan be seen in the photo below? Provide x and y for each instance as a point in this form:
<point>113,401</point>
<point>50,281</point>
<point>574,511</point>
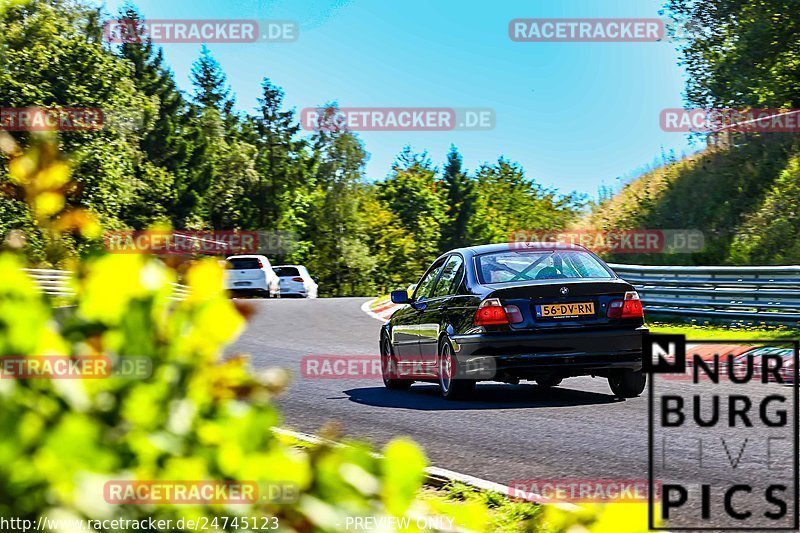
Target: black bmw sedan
<point>516,311</point>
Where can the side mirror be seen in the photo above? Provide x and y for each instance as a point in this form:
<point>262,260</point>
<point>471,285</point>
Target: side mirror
<point>400,297</point>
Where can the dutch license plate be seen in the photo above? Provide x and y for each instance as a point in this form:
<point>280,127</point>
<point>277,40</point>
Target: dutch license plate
<point>564,310</point>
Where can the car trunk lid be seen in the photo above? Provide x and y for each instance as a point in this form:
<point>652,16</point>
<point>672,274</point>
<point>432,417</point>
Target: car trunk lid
<point>562,303</point>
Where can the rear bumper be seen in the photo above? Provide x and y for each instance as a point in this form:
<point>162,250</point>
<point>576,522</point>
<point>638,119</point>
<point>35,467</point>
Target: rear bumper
<point>246,285</point>
<point>291,292</point>
<point>598,352</point>
<point>252,287</point>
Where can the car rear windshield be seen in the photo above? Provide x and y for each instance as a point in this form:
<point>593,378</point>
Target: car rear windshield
<point>513,265</point>
<point>244,263</point>
<point>285,272</point>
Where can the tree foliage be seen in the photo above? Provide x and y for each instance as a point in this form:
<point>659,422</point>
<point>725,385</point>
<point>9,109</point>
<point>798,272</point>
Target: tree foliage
<point>194,161</point>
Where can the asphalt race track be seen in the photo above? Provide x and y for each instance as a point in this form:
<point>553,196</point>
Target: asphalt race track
<point>578,430</point>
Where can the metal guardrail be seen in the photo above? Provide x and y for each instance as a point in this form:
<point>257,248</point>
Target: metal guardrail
<point>57,283</point>
<point>52,282</point>
<point>761,294</point>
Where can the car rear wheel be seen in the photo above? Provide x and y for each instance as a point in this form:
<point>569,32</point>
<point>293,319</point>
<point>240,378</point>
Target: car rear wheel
<point>389,367</point>
<point>451,386</point>
<point>627,383</point>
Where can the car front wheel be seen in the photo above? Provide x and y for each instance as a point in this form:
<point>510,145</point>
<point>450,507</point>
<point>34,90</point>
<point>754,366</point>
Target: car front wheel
<point>451,385</point>
<point>627,383</point>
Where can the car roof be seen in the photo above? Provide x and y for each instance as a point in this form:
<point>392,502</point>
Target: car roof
<point>295,266</point>
<point>245,257</point>
<point>515,246</point>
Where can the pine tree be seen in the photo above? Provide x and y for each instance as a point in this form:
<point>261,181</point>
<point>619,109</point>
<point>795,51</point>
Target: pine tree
<point>167,141</point>
<point>339,255</point>
<point>163,143</point>
<point>279,174</point>
<point>217,135</point>
<point>210,82</point>
<point>460,202</point>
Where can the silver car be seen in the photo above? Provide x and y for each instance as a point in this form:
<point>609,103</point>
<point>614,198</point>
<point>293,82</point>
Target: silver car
<point>295,281</point>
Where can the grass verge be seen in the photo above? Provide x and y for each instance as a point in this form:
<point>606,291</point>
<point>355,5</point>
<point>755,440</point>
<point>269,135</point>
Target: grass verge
<point>503,514</point>
<point>721,332</point>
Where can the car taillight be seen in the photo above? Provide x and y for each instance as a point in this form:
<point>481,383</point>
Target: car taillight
<point>629,307</point>
<point>297,279</point>
<point>492,313</point>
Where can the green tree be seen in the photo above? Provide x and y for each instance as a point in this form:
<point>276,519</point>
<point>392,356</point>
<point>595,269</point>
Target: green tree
<point>53,56</point>
<point>210,82</point>
<point>280,162</point>
<point>222,162</point>
<point>338,255</point>
<point>392,246</point>
<point>414,194</point>
<point>507,202</point>
<point>740,53</point>
<point>460,202</point>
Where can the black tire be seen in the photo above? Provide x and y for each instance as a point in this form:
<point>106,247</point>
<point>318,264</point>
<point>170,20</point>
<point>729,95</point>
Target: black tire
<point>389,367</point>
<point>627,383</point>
<point>452,388</point>
<point>549,382</point>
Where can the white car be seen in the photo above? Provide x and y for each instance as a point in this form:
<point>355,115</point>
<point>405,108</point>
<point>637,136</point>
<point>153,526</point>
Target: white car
<point>296,281</point>
<point>249,274</point>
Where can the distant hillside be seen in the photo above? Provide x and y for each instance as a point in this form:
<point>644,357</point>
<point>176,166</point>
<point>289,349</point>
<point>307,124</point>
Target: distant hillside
<point>744,197</point>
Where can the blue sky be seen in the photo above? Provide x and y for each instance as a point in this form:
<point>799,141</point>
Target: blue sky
<point>575,115</point>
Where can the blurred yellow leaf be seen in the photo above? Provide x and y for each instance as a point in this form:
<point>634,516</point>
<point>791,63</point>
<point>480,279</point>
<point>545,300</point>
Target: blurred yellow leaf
<point>48,203</point>
<point>53,176</point>
<point>622,518</point>
<point>402,465</point>
<point>81,219</point>
<point>205,280</point>
<point>21,168</point>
